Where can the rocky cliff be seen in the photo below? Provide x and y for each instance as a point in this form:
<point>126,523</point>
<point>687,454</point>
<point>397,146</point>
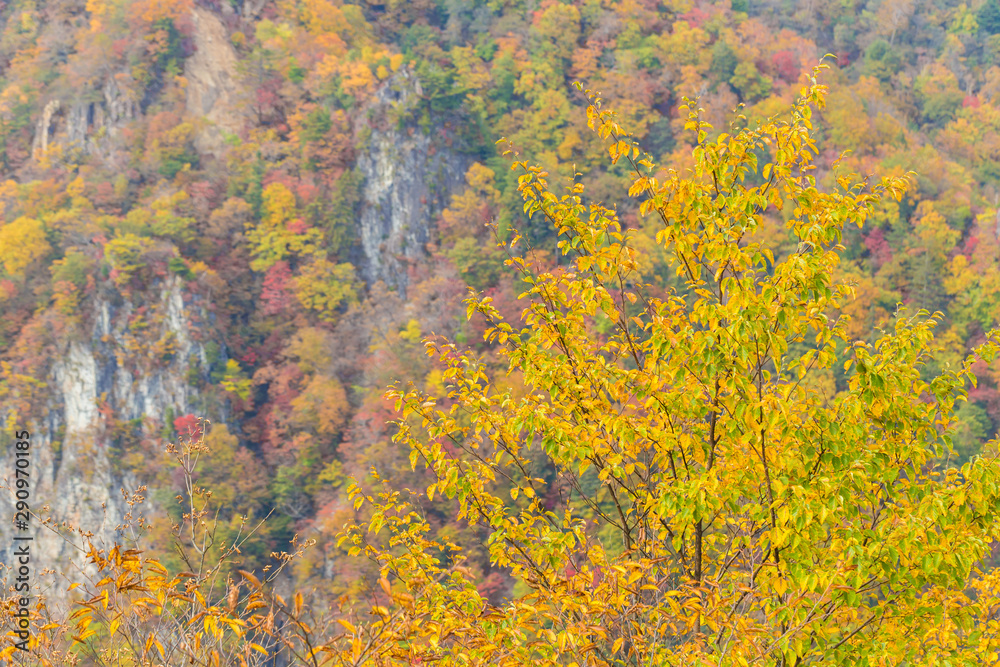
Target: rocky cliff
<point>92,119</point>
<point>90,123</point>
<point>409,179</point>
<point>99,381</point>
<point>211,83</point>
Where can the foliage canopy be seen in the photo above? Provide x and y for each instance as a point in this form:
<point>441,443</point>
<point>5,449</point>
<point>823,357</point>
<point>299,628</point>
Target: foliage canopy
<point>720,503</point>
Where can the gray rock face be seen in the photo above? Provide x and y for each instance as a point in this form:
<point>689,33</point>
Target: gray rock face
<point>91,125</point>
<point>86,125</point>
<point>409,179</point>
<point>74,475</point>
<point>211,74</point>
<point>118,109</point>
<point>43,129</point>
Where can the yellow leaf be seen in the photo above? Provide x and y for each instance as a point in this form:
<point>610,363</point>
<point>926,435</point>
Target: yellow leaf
<point>249,577</point>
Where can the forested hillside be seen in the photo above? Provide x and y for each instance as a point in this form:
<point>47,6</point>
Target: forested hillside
<point>253,211</point>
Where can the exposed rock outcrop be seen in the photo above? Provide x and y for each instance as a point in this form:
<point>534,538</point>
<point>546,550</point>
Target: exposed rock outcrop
<point>92,121</point>
<point>44,129</point>
<point>211,86</point>
<point>90,125</point>
<point>409,179</point>
<point>75,476</point>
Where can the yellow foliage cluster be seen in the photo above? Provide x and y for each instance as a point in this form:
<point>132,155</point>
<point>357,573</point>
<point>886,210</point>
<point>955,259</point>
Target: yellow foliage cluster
<point>22,243</point>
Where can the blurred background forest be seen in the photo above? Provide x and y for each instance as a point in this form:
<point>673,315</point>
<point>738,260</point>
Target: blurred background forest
<point>252,211</point>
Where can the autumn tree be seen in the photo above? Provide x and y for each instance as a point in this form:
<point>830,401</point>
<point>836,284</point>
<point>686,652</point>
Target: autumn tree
<point>279,235</point>
<point>22,243</point>
<point>688,489</point>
